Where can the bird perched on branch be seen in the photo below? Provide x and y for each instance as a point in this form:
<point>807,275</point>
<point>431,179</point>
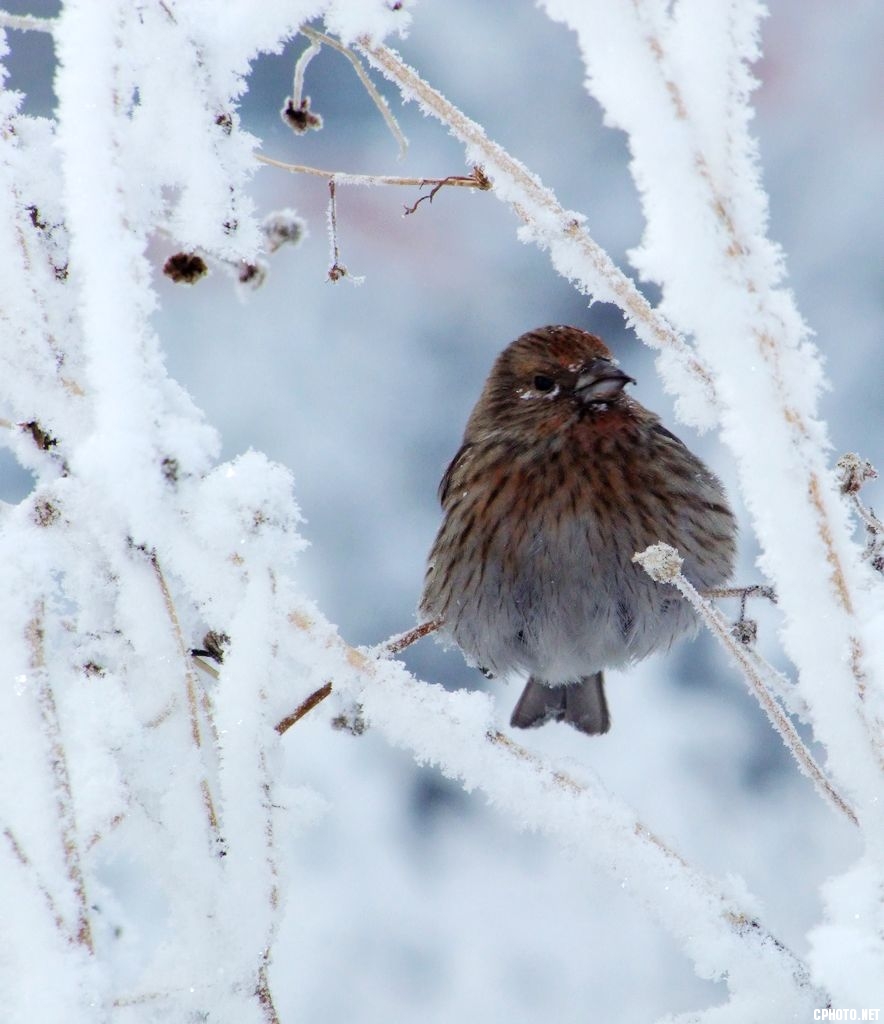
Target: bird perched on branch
<point>561,478</point>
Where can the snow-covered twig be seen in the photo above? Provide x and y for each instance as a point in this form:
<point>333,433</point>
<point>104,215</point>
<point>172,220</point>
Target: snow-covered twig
<point>336,269</point>
<point>575,254</point>
<point>745,630</point>
<point>663,564</point>
<point>398,643</point>
<point>695,163</point>
<point>389,649</point>
<point>27,22</point>
<point>300,68</point>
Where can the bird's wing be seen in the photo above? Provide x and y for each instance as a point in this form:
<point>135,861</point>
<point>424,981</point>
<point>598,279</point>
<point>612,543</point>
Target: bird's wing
<point>453,466</point>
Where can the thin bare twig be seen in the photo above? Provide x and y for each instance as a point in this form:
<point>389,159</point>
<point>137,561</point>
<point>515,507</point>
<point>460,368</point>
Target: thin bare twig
<point>663,564</point>
<point>753,590</point>
<point>746,630</point>
<point>337,270</point>
<point>476,180</point>
<point>369,86</point>
<point>397,644</point>
<point>306,705</point>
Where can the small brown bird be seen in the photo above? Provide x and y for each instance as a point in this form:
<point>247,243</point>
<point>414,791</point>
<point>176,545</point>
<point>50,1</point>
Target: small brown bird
<point>560,480</point>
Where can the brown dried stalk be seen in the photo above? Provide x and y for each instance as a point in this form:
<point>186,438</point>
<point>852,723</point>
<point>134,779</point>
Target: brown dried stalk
<point>476,180</point>
<point>397,644</point>
<point>191,686</point>
<point>64,798</point>
<point>306,705</point>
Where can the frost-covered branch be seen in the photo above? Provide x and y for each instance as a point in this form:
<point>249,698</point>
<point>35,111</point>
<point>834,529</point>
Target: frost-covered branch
<point>715,923</point>
<point>58,761</point>
<point>191,686</point>
<point>663,564</point>
<point>575,254</point>
<point>27,22</point>
<point>475,180</point>
<point>696,164</point>
<point>739,262</point>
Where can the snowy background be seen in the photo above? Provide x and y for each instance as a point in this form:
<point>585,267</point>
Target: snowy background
<point>411,899</point>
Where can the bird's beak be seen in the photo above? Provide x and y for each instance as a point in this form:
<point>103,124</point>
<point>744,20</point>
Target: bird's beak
<point>600,381</point>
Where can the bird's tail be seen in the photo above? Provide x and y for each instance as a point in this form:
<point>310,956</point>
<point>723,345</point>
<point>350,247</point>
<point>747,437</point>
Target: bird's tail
<point>580,704</point>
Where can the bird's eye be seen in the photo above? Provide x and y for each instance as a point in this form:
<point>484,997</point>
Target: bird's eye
<point>543,383</point>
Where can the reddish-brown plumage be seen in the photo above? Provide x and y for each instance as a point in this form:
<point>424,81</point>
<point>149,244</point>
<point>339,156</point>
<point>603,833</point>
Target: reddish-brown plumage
<point>560,479</point>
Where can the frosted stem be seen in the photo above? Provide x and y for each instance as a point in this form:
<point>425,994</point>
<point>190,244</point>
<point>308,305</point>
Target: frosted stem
<point>550,224</point>
<point>36,880</point>
<point>27,22</point>
<point>663,564</point>
<point>190,687</point>
<point>300,68</point>
<point>64,799</point>
<point>475,180</point>
<point>432,724</point>
<point>369,86</point>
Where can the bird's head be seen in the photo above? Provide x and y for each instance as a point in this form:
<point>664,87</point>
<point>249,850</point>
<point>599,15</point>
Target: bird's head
<point>548,377</point>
